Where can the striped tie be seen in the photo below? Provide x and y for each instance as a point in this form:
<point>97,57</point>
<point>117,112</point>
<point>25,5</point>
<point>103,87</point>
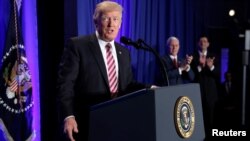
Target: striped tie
<point>112,76</point>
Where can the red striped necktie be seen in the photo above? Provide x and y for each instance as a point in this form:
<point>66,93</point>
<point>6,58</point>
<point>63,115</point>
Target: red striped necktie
<point>112,74</point>
<point>175,63</point>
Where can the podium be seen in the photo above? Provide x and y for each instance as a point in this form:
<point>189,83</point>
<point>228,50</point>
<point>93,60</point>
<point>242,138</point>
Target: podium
<point>150,115</point>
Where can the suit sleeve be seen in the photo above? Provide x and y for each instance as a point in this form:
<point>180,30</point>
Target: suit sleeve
<point>171,70</point>
<point>135,85</point>
<point>190,74</point>
<point>67,74</point>
<point>129,84</point>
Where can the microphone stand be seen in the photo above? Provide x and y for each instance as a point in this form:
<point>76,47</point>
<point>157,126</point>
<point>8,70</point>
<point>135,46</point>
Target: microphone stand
<point>149,48</point>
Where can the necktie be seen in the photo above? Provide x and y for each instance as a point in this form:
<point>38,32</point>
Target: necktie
<point>112,76</point>
<point>203,56</point>
<point>175,63</point>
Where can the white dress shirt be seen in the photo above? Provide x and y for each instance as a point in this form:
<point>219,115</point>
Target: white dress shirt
<point>113,50</point>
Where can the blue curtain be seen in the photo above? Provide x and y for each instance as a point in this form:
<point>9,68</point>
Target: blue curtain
<point>153,21</point>
<point>4,19</point>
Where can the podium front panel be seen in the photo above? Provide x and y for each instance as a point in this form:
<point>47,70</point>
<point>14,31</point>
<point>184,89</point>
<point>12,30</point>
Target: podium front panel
<point>128,118</point>
<point>166,124</point>
<point>146,115</point>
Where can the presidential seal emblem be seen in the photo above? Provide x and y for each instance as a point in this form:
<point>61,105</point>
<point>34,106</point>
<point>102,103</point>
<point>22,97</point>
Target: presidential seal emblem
<point>184,117</point>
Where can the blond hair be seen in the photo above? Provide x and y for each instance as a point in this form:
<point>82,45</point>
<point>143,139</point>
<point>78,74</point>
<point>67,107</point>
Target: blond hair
<point>106,6</point>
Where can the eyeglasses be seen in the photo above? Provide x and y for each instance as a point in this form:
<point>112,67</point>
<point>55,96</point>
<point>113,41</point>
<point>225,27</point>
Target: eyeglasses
<point>107,19</point>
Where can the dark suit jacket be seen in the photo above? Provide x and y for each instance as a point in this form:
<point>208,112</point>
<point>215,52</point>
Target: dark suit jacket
<point>83,80</point>
<point>227,95</point>
<point>208,80</point>
<point>173,73</point>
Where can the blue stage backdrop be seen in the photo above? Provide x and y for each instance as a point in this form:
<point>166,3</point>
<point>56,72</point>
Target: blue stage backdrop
<point>19,77</point>
<point>151,20</point>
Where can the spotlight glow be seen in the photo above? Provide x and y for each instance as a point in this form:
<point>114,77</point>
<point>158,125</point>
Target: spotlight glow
<point>231,12</point>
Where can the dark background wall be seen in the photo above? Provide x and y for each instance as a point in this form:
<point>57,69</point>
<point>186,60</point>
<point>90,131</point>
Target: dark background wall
<point>51,36</point>
<point>58,21</point>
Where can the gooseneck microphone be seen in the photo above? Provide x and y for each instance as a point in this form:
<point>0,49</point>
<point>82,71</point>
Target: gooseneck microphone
<point>140,44</point>
<point>128,41</point>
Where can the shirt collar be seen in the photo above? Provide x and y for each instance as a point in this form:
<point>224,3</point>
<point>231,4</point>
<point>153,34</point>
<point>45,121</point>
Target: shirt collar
<point>173,57</point>
<point>104,43</point>
<point>204,53</point>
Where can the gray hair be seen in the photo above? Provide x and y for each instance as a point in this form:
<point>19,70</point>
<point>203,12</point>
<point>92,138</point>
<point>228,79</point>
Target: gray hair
<point>106,6</point>
<point>170,39</point>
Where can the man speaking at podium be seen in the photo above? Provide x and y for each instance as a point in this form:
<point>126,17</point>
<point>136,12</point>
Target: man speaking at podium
<point>93,69</point>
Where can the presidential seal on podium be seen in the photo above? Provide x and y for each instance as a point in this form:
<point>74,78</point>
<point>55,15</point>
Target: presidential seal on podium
<point>184,117</point>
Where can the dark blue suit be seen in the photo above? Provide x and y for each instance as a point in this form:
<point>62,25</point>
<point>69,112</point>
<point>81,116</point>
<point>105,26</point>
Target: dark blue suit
<point>173,72</point>
<point>209,81</point>
<point>83,80</point>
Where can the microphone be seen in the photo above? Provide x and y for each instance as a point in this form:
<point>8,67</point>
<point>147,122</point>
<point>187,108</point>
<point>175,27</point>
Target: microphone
<point>128,41</point>
<point>141,44</point>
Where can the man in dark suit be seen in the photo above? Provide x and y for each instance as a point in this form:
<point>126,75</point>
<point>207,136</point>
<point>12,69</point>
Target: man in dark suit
<point>228,101</point>
<point>226,87</point>
<point>207,75</point>
<point>93,69</point>
<point>179,70</point>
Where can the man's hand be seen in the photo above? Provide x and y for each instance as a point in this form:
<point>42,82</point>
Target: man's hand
<point>210,62</point>
<point>185,65</point>
<point>70,126</point>
<point>189,59</point>
<point>154,86</point>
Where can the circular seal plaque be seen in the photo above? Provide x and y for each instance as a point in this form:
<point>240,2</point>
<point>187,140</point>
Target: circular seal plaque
<point>184,117</point>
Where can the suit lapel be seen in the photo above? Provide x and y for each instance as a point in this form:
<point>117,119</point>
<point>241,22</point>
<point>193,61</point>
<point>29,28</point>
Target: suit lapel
<point>170,62</point>
<point>98,57</point>
<point>120,64</point>
<point>196,59</point>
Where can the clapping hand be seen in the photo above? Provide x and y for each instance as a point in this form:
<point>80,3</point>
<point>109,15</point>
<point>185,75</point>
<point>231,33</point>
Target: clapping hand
<point>186,64</point>
<point>189,59</point>
<point>210,62</point>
